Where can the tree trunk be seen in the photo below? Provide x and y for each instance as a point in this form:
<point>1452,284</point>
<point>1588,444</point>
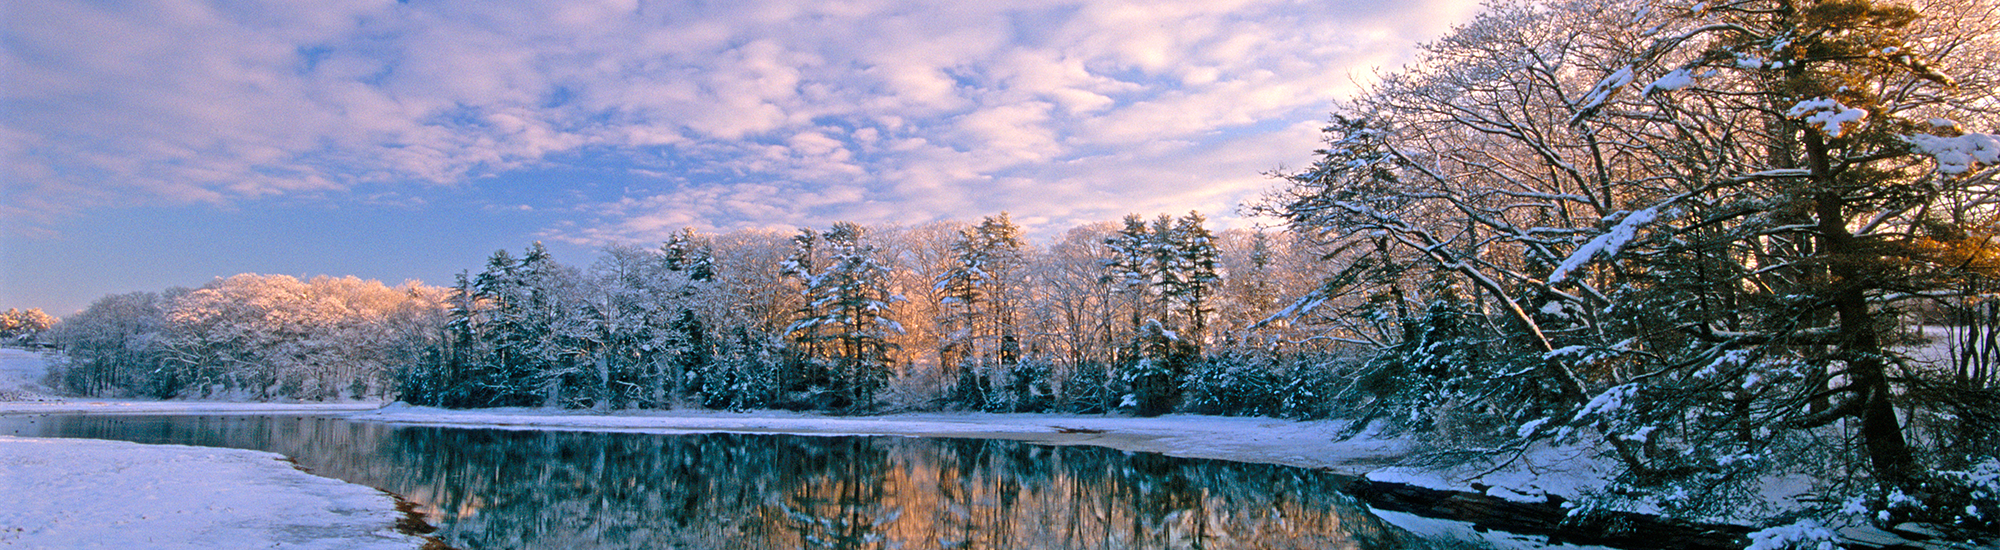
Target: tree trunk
<point>603,382</point>
<point>1860,345</point>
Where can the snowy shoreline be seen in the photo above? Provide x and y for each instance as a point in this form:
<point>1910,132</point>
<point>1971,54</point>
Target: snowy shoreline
<point>91,493</point>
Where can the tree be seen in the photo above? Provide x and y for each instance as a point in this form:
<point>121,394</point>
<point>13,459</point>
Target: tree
<point>843,325</point>
<point>117,345</point>
<point>1703,271</point>
<point>1169,268</point>
<point>1161,359</point>
<point>980,308</point>
<point>1192,261</point>
<point>682,335</point>
<point>25,326</point>
<point>1081,310</point>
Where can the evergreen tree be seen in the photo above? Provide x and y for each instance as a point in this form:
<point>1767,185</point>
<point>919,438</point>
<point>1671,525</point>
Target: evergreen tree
<point>683,341</point>
<point>978,313</point>
<point>1134,267</point>
<point>1153,379</point>
<point>1195,279</point>
<point>846,328</point>
<point>1704,271</point>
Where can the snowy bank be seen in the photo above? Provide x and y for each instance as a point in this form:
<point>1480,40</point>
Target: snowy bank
<point>82,493</point>
<point>21,372</point>
<point>143,406</point>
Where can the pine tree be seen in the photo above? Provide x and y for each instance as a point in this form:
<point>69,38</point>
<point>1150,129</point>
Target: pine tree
<point>684,341</point>
<point>979,311</point>
<point>1705,270</point>
<point>1134,267</point>
<point>846,326</point>
<point>1193,285</point>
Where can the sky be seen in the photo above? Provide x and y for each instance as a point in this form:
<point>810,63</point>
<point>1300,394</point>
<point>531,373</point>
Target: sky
<point>146,144</point>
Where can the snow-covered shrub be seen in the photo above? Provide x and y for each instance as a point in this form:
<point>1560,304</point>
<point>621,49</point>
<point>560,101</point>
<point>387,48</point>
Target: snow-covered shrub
<point>1026,386</point>
<point>1966,499</point>
<point>973,389</point>
<point>1029,387</point>
<point>1308,383</point>
<point>1428,382</point>
<point>1152,380</point>
<point>1231,385</point>
<point>1086,389</point>
<point>1803,535</point>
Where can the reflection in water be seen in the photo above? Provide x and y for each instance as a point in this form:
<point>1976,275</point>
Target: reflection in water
<point>537,489</point>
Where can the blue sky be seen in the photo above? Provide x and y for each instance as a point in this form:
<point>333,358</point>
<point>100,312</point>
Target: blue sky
<point>156,143</point>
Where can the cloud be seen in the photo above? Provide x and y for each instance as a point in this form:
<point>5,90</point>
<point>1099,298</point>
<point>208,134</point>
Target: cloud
<point>756,114</point>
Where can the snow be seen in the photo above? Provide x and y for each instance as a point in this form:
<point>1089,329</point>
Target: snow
<point>20,373</point>
<point>1446,533</point>
<point>1511,495</point>
<point>1673,80</point>
<point>1530,428</point>
<point>1806,534</point>
<point>1606,244</point>
<point>1572,470</point>
<point>1569,471</point>
<point>1416,477</point>
<point>1958,155</point>
<point>1608,403</point>
<point>112,494</point>
<point>1602,91</point>
<point>1831,117</point>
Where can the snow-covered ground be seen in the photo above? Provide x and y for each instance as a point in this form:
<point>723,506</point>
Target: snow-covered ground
<point>96,405</point>
<point>1260,440</point>
<point>84,493</point>
<point>21,373</point>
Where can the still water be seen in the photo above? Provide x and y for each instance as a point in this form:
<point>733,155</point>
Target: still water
<point>498,489</point>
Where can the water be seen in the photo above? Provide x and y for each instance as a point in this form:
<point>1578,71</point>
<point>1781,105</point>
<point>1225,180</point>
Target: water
<point>496,489</point>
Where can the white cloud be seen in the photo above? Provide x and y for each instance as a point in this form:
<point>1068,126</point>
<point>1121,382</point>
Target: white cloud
<point>776,113</point>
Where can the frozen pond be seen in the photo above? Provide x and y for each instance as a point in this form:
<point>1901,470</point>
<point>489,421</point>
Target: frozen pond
<point>491,488</point>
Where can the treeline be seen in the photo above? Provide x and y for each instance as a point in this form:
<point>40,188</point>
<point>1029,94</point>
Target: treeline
<point>1149,316</point>
<point>1689,233</point>
<point>25,327</point>
<point>249,337</point>
<point>949,315</point>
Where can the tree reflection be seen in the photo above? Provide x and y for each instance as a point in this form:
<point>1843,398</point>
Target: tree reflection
<point>535,489</point>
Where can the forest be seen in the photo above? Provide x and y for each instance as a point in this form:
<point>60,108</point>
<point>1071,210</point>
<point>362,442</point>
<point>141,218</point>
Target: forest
<point>849,319</point>
<point>1700,237</point>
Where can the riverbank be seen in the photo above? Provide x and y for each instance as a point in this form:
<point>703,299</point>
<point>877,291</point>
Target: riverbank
<point>84,493</point>
<point>94,405</point>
